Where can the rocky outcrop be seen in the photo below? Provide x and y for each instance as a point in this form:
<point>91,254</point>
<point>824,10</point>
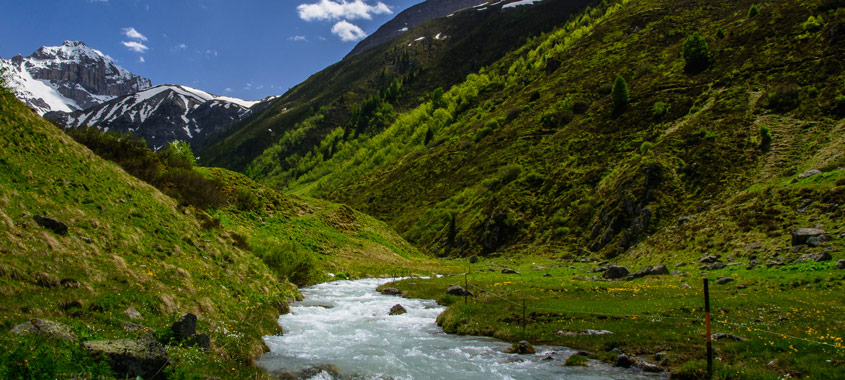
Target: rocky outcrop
<point>809,236</point>
<point>77,76</point>
<point>391,291</point>
<point>144,357</point>
<point>521,348</point>
<point>397,310</point>
<point>185,330</point>
<point>45,328</point>
<point>458,291</point>
<point>649,270</point>
<point>615,272</point>
<point>51,224</point>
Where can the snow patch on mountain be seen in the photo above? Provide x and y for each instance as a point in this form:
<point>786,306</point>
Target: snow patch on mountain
<point>521,2</point>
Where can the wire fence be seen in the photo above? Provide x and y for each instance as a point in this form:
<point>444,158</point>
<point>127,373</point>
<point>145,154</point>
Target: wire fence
<point>651,317</point>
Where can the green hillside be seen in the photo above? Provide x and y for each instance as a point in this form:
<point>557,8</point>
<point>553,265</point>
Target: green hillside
<point>128,245</point>
<point>531,155</point>
<point>392,77</point>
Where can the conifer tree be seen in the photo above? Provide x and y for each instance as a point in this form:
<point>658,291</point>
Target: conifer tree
<point>620,94</point>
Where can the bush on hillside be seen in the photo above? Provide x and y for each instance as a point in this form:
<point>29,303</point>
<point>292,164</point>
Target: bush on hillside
<point>765,138</point>
<point>753,11</point>
<point>619,93</point>
<point>660,109</point>
<point>785,97</point>
<point>285,259</point>
<point>178,154</point>
<point>696,53</point>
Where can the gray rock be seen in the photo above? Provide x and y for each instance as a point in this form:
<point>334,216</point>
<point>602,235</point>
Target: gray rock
<point>649,270</point>
<point>46,328</point>
<point>133,314</point>
<point>144,357</point>
<point>521,348</point>
<point>615,272</point>
<point>753,264</point>
<point>584,332</point>
<point>801,236</point>
<point>722,336</point>
<point>623,361</point>
<point>816,257</point>
<point>308,373</point>
<point>840,264</point>
<point>200,340</point>
<point>740,287</point>
<point>397,310</point>
<point>648,367</point>
<point>715,266</point>
<point>809,173</point>
<point>724,280</point>
<point>509,271</point>
<point>473,259</point>
<point>51,224</point>
<point>391,291</point>
<point>709,259</point>
<point>458,291</point>
<point>816,241</point>
<point>185,328</point>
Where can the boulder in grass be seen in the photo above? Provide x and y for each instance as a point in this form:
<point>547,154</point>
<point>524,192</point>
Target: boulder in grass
<point>623,361</point>
<point>802,236</point>
<point>391,291</point>
<point>185,328</point>
<point>840,264</point>
<point>458,291</point>
<point>51,224</point>
<point>130,358</point>
<point>724,280</point>
<point>614,272</point>
<point>45,328</point>
<point>509,271</point>
<point>723,336</point>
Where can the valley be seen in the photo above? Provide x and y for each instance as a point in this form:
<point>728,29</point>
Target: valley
<point>564,173</point>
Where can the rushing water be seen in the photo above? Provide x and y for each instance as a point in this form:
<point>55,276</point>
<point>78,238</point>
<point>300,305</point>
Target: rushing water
<point>342,330</point>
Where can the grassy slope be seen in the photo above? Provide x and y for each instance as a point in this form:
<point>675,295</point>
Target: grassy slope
<point>144,252</point>
<point>593,184</point>
<point>470,40</point>
<point>339,239</point>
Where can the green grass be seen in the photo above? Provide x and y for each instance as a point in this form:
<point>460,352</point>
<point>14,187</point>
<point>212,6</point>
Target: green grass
<point>128,245</point>
<point>783,313</point>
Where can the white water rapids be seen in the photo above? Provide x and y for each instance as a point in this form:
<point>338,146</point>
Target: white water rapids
<point>342,330</point>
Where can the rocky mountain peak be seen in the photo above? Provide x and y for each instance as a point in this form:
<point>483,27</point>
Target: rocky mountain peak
<point>69,77</point>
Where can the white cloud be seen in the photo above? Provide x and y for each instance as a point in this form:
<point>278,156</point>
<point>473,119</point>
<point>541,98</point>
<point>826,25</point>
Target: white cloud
<point>135,46</point>
<point>211,52</point>
<point>227,89</point>
<point>142,59</point>
<point>348,31</point>
<point>329,10</point>
<point>297,38</point>
<point>134,34</point>
<point>182,46</point>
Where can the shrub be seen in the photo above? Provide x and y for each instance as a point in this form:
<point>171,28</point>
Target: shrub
<point>812,24</point>
<point>660,109</point>
<point>34,357</point>
<point>720,34</point>
<point>696,53</point>
<point>645,147</point>
<point>178,154</point>
<point>784,97</point>
<point>620,93</point>
<point>765,138</point>
<point>753,11</point>
<point>285,259</point>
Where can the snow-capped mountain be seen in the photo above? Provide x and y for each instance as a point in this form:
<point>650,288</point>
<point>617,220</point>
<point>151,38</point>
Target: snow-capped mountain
<point>164,113</point>
<point>410,18</point>
<point>69,77</point>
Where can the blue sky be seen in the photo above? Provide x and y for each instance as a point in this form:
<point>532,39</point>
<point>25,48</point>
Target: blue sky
<point>248,49</point>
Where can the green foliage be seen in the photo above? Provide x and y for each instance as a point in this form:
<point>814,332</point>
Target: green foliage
<point>812,24</point>
<point>576,360</point>
<point>720,34</point>
<point>660,109</point>
<point>620,93</point>
<point>285,258</point>
<point>178,154</point>
<point>784,97</point>
<point>765,137</point>
<point>753,11</point>
<point>645,147</point>
<point>437,98</point>
<point>171,170</point>
<point>429,134</point>
<point>696,53</point>
<point>34,357</point>
<point>558,116</point>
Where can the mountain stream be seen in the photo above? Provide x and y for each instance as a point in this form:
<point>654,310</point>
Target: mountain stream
<point>342,330</point>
